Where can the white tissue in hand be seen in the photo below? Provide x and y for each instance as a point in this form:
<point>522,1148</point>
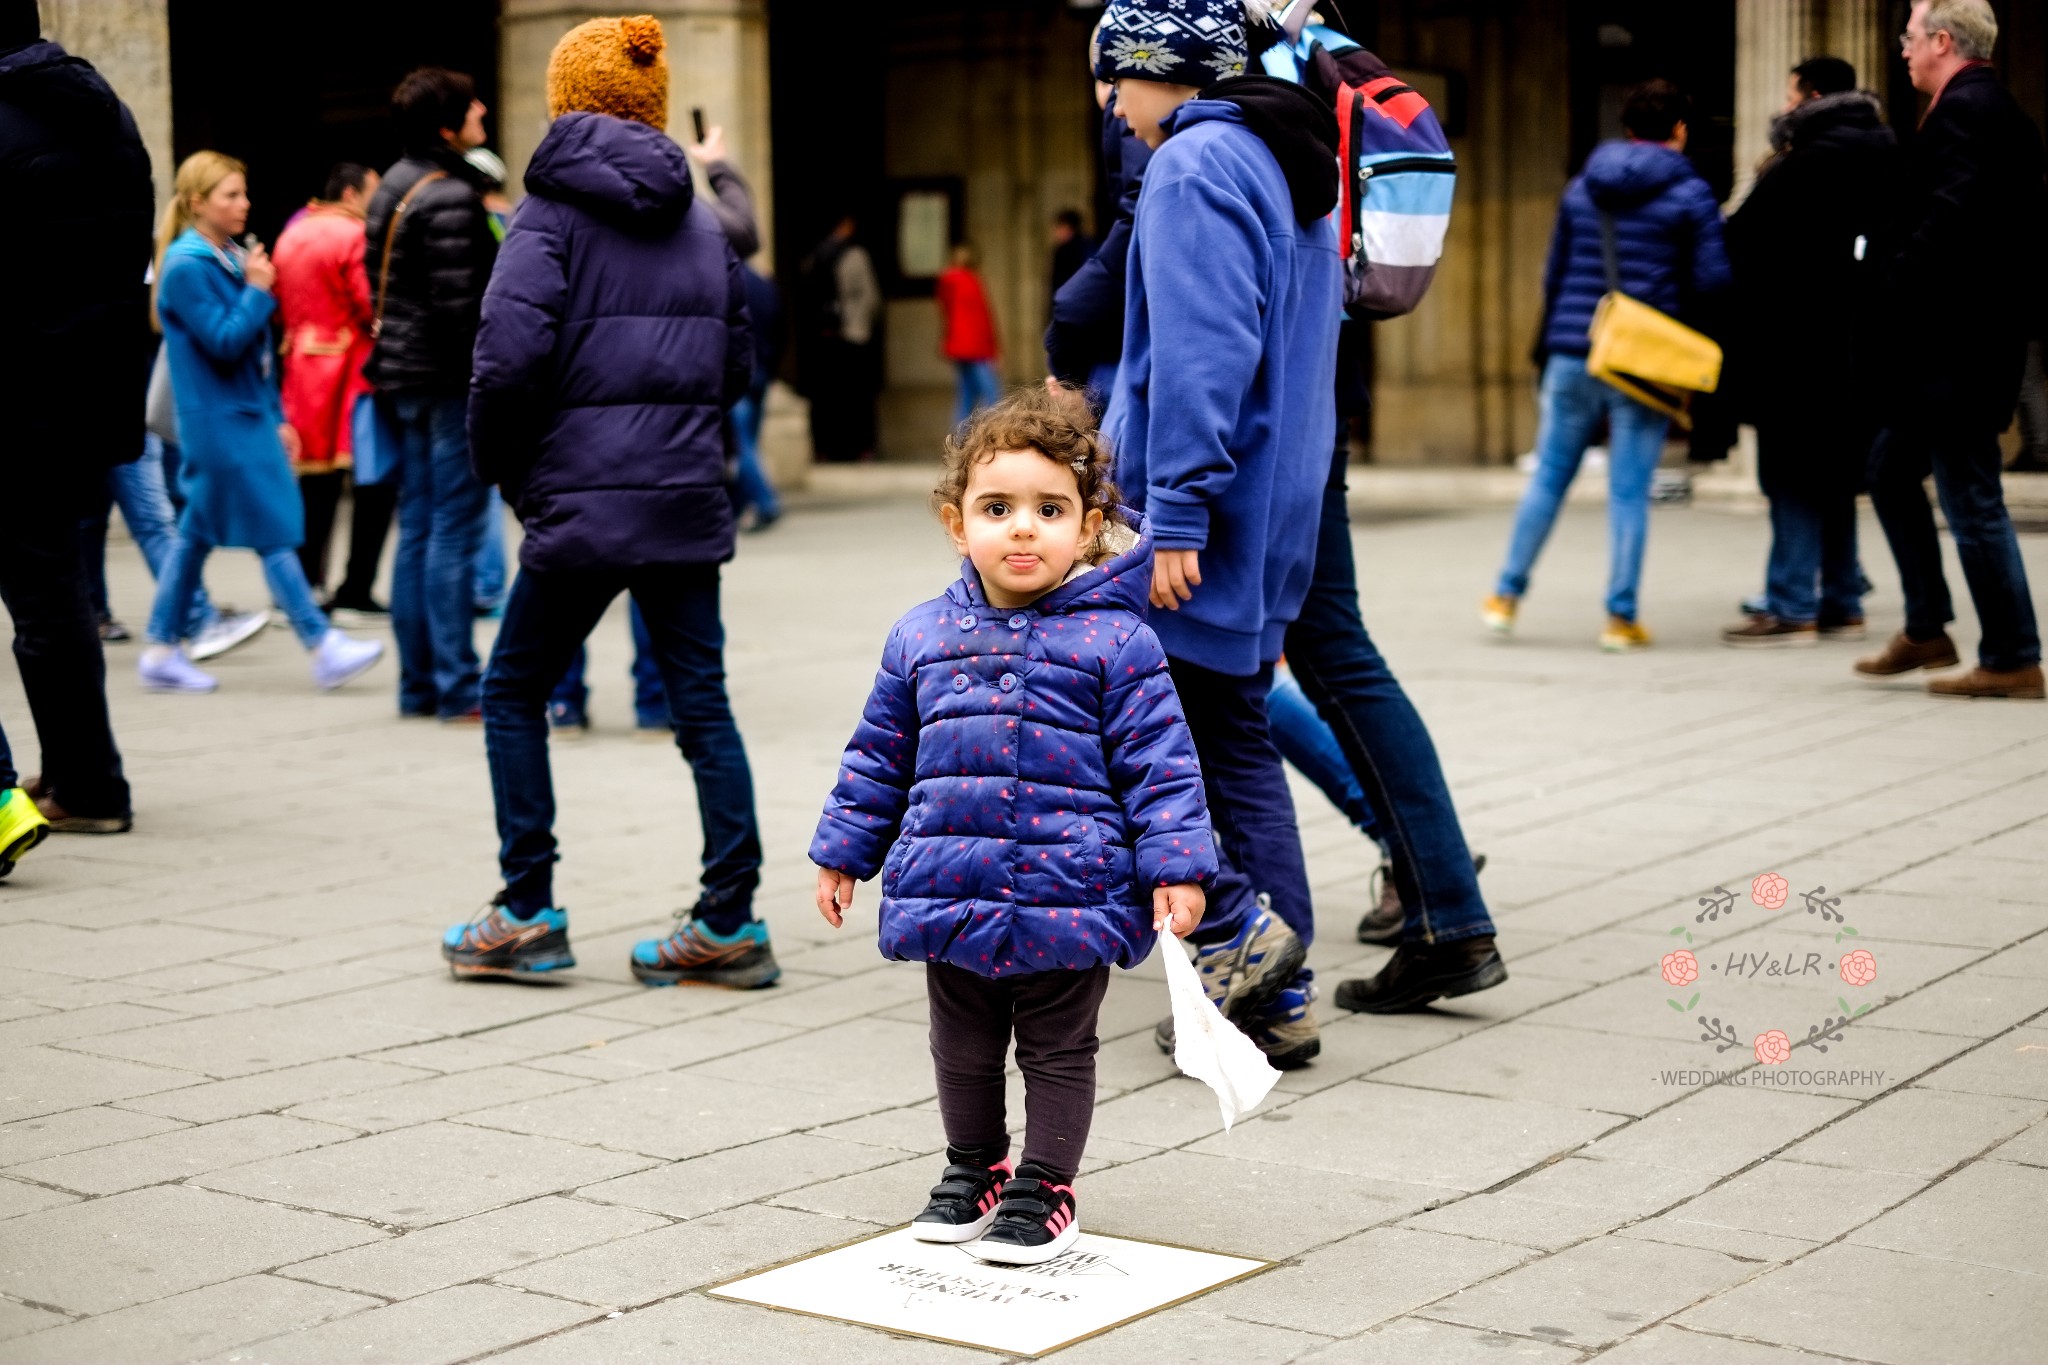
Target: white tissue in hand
<point>1209,1047</point>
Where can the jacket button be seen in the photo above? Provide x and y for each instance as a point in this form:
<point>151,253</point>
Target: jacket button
<point>1009,683</point>
<point>1019,621</point>
<point>967,622</point>
<point>959,682</point>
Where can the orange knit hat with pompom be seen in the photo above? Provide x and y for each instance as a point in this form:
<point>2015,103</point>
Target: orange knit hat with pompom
<point>611,66</point>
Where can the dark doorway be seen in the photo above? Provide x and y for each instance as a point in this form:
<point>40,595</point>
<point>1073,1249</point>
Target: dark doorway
<point>299,87</point>
<point>1619,43</point>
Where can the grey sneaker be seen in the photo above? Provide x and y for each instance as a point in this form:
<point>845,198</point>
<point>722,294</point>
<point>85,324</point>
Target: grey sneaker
<point>1247,973</point>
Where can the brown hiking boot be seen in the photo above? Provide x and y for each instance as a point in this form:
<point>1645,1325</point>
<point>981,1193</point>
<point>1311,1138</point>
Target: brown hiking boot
<point>1768,632</point>
<point>1903,655</point>
<point>2020,684</point>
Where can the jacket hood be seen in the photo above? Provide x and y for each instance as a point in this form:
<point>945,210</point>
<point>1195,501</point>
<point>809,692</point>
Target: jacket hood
<point>1846,109</point>
<point>1299,129</point>
<point>1621,175</point>
<point>1123,580</point>
<point>625,172</point>
<point>63,89</point>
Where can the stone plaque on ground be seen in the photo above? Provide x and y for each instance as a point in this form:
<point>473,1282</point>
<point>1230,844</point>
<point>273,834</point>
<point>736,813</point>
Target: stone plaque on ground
<point>936,1290</point>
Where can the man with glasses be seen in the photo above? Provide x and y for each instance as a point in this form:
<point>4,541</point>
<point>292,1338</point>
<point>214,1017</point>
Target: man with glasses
<point>1966,271</point>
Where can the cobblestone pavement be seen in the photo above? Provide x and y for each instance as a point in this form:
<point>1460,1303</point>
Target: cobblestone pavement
<point>249,1117</point>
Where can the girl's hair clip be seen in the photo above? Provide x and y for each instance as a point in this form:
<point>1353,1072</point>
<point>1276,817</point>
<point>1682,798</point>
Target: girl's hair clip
<point>1080,466</point>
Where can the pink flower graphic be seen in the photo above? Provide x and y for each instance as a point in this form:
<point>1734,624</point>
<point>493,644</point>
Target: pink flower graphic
<point>1682,968</point>
<point>1773,1047</point>
<point>1859,968</point>
<point>1769,890</point>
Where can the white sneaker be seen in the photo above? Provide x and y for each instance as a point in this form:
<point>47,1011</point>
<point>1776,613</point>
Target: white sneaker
<point>226,632</point>
<point>336,659</point>
<point>172,672</point>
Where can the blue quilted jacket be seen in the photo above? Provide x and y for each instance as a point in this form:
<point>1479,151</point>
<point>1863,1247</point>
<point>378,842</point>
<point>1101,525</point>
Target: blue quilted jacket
<point>1667,239</point>
<point>1022,779</point>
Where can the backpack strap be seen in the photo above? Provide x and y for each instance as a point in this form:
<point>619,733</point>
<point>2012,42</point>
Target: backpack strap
<point>390,238</point>
<point>1347,172</point>
<point>1608,251</point>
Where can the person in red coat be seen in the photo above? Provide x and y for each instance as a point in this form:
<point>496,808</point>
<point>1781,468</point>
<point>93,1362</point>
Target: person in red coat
<point>323,298</point>
<point>968,333</point>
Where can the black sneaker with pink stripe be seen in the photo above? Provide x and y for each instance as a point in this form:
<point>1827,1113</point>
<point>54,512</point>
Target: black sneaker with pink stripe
<point>963,1203</point>
<point>1036,1221</point>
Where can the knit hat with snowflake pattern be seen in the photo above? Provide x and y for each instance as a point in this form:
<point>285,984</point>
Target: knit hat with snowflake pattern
<point>611,66</point>
<point>1182,42</point>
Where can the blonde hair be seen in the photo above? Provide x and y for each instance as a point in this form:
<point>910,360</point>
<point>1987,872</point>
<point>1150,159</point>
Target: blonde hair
<point>199,175</point>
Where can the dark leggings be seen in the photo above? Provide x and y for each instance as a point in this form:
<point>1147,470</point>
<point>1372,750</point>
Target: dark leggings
<point>1053,1017</point>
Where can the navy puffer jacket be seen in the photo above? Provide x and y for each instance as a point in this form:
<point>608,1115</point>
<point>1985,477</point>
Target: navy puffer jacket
<point>1022,779</point>
<point>614,337</point>
<point>1667,236</point>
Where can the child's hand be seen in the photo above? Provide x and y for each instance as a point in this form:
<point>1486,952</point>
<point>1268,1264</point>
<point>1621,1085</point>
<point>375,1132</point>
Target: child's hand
<point>835,894</point>
<point>1180,905</point>
<point>1175,576</point>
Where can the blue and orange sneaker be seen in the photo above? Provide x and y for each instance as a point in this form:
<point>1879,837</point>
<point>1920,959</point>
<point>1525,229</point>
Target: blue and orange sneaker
<point>1036,1221</point>
<point>963,1203</point>
<point>498,943</point>
<point>695,955</point>
<point>22,827</point>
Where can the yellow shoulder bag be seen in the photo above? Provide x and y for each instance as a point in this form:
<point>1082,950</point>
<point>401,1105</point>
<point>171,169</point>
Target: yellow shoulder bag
<point>1650,356</point>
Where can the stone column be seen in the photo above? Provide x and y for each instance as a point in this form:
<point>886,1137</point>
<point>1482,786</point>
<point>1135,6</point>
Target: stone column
<point>718,61</point>
<point>1771,37</point>
<point>129,43</point>
<point>1856,32</point>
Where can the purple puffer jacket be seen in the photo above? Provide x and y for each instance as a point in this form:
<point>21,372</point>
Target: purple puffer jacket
<point>1022,779</point>
<point>614,337</point>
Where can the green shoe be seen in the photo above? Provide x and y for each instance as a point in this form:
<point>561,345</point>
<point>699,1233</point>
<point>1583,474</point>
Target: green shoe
<point>22,827</point>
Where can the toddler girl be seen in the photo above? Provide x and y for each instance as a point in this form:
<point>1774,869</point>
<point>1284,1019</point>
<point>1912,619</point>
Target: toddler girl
<point>1024,782</point>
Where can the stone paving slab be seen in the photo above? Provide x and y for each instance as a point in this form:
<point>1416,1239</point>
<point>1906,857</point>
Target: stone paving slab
<point>245,1115</point>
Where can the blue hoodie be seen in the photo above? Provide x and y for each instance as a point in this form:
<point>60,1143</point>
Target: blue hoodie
<point>1667,237</point>
<point>1221,418</point>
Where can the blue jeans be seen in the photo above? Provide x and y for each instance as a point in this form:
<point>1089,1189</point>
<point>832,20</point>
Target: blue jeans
<point>179,587</point>
<point>977,387</point>
<point>650,699</point>
<point>1812,573</point>
<point>1310,745</point>
<point>490,555</point>
<point>440,526</point>
<point>1391,754</point>
<point>139,490</point>
<point>1966,470</point>
<point>751,487</point>
<point>8,776</point>
<point>546,618</point>
<point>1571,404</point>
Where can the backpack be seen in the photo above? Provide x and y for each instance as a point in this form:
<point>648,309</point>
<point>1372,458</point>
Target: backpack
<point>1394,201</point>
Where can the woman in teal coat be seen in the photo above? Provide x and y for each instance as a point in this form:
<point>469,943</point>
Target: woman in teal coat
<point>214,303</point>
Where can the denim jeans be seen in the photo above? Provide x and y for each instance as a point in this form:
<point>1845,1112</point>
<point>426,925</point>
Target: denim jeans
<point>976,386</point>
<point>1967,479</point>
<point>490,556</point>
<point>8,776</point>
<point>139,490</point>
<point>1391,754</point>
<point>1249,804</point>
<point>440,526</point>
<point>650,699</point>
<point>179,585</point>
<point>1812,573</point>
<point>751,487</point>
<point>547,616</point>
<point>56,640</point>
<point>1306,742</point>
<point>1571,404</point>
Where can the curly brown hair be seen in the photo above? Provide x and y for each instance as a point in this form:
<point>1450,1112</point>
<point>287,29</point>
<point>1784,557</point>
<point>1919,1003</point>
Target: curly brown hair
<point>1034,419</point>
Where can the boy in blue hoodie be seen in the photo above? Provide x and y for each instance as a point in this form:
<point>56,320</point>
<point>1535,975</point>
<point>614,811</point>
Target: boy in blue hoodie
<point>1221,422</point>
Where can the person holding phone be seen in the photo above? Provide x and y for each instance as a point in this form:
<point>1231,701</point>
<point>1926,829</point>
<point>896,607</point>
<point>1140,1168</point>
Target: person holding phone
<point>214,300</point>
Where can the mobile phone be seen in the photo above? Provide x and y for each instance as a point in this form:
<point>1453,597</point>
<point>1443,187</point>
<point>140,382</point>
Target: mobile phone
<point>697,121</point>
